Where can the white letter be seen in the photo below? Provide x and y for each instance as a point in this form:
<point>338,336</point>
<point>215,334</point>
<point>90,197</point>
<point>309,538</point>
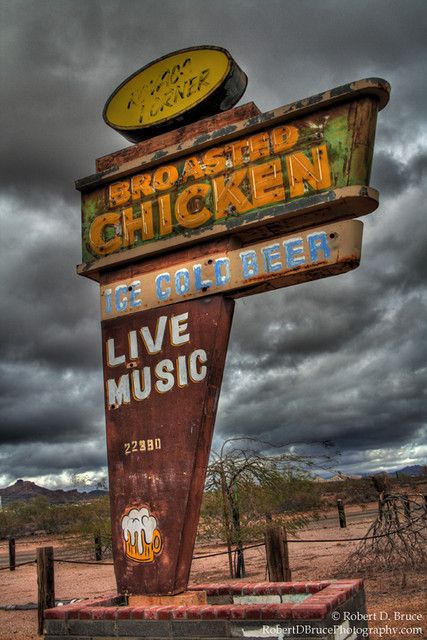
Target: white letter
<point>177,327</point>
<point>118,394</point>
<point>112,360</point>
<point>137,393</point>
<point>154,346</point>
<point>198,376</point>
<point>181,366</point>
<point>133,345</point>
<point>162,371</point>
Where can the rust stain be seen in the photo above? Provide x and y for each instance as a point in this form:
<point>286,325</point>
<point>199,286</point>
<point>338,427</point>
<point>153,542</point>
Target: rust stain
<point>157,450</point>
<point>276,262</point>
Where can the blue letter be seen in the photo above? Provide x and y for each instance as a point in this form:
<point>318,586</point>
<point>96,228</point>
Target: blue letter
<point>249,264</point>
<point>121,304</point>
<point>199,283</point>
<point>293,250</point>
<point>108,301</point>
<point>163,295</point>
<point>272,253</point>
<point>222,278</point>
<point>182,281</point>
<point>133,300</point>
<point>318,242</point>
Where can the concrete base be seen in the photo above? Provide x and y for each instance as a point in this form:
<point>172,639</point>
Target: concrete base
<point>326,610</point>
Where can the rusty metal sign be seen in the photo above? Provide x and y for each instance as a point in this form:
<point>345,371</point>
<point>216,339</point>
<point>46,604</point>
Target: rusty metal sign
<point>175,90</point>
<point>286,172</point>
<point>284,261</point>
<point>174,229</point>
<point>162,373</point>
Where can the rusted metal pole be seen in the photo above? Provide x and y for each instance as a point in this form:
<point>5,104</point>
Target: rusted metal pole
<point>159,478</point>
<point>12,554</point>
<point>341,514</point>
<point>45,583</point>
<point>98,546</point>
<point>276,547</point>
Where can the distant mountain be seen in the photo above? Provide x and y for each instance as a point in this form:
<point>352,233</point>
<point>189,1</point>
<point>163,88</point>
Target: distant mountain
<point>25,490</point>
<point>414,470</point>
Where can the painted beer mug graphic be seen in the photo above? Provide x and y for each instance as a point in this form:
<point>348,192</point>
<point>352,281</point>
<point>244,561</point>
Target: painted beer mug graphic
<point>141,538</point>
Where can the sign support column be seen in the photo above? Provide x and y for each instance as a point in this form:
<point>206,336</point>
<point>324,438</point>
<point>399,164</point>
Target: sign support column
<point>163,370</point>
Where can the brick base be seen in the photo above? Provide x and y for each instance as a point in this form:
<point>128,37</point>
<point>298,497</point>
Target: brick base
<point>288,610</point>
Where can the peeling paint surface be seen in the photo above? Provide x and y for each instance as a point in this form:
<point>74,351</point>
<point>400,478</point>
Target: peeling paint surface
<point>283,261</point>
<point>162,372</point>
<point>272,174</point>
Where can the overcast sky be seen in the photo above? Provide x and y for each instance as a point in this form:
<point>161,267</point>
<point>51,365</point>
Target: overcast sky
<point>342,359</point>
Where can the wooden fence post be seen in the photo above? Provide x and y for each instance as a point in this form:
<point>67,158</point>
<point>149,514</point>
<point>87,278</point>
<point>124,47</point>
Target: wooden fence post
<point>45,583</point>
<point>341,514</point>
<point>276,548</point>
<point>98,546</point>
<point>12,554</point>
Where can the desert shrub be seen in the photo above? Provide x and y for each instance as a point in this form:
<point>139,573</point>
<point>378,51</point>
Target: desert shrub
<point>289,498</point>
<point>79,519</point>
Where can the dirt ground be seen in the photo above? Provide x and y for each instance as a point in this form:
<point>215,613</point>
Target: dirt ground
<point>401,597</point>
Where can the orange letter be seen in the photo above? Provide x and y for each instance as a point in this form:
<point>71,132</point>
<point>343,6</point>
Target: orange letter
<point>240,152</point>
<point>140,186</point>
<point>284,138</point>
<point>229,198</point>
<point>190,207</point>
<point>97,242</point>
<point>302,172</point>
<point>259,146</point>
<point>192,169</point>
<point>165,177</point>
<point>214,160</point>
<point>118,193</point>
<point>144,224</point>
<point>165,215</point>
<point>267,183</point>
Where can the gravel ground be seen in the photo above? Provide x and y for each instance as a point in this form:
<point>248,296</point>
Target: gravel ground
<point>392,593</point>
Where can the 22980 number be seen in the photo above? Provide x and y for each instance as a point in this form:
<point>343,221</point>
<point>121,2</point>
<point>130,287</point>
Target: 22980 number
<point>141,446</point>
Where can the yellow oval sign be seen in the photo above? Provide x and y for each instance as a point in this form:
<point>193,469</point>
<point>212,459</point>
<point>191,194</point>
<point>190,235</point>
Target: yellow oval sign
<point>193,82</point>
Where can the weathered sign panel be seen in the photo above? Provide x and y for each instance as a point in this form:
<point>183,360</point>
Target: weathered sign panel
<point>162,373</point>
<point>284,261</point>
<point>282,177</point>
<point>175,228</point>
<point>175,90</point>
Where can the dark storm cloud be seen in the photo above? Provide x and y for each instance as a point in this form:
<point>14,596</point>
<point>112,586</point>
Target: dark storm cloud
<point>342,358</point>
<point>49,310</point>
<point>393,175</point>
<point>38,405</point>
<point>54,458</point>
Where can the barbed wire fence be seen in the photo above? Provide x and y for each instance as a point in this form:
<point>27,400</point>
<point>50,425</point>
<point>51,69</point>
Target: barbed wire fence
<point>396,537</point>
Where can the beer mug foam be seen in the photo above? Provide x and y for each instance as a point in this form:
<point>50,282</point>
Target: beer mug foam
<point>141,537</point>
